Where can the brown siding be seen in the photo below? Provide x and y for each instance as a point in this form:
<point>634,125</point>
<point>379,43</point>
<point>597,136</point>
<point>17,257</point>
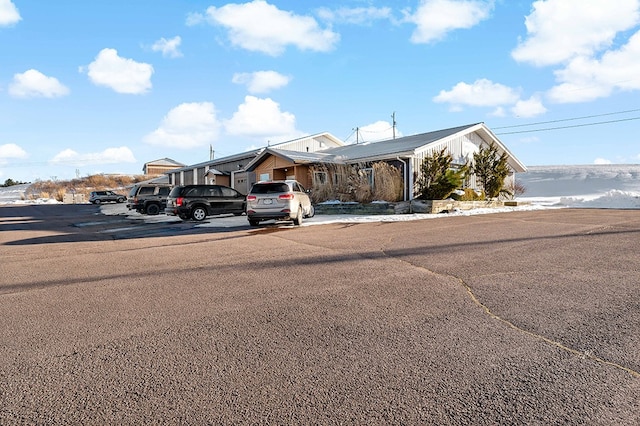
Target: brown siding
<point>303,175</point>
<point>158,170</point>
<point>223,180</point>
<point>275,167</point>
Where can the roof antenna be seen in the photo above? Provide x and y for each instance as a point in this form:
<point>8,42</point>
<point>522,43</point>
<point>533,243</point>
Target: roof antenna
<point>393,123</point>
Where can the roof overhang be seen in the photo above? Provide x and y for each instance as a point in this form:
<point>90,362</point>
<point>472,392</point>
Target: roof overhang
<point>487,134</point>
<point>489,137</point>
<point>215,172</point>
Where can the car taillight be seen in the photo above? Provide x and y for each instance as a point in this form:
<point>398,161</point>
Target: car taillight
<point>179,201</point>
<point>251,197</point>
<point>286,197</point>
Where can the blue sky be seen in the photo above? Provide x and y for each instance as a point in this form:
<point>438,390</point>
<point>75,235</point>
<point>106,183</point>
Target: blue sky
<point>104,86</point>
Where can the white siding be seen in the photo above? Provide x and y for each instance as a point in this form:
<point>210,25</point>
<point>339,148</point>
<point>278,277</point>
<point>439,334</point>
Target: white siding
<point>461,149</point>
<point>317,143</point>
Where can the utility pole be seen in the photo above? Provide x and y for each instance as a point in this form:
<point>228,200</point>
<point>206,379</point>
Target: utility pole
<point>357,129</point>
<point>393,123</point>
<point>211,152</point>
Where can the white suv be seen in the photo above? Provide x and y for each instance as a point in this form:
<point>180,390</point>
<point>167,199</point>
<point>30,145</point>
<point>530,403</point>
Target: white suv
<point>279,200</point>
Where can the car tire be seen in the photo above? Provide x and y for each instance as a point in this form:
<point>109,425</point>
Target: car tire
<point>199,213</point>
<point>254,222</point>
<point>96,201</point>
<point>152,209</point>
<point>298,219</point>
<point>120,200</point>
<point>312,211</point>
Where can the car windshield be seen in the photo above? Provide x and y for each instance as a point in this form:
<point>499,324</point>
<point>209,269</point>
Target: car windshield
<point>269,188</point>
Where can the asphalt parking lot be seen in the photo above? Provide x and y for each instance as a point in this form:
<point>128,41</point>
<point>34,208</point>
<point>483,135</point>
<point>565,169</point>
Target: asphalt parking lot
<point>529,317</point>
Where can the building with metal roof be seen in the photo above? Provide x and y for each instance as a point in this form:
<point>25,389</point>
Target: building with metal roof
<point>231,170</point>
<point>405,153</point>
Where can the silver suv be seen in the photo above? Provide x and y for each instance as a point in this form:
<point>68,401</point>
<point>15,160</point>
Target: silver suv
<point>279,200</point>
<point>97,197</point>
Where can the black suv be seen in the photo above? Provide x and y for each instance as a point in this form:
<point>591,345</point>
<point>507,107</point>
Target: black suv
<point>148,198</point>
<point>200,201</point>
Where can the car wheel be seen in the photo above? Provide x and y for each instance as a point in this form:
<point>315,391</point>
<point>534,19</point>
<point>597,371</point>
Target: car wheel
<point>254,222</point>
<point>153,209</point>
<point>298,219</point>
<point>199,213</point>
<point>312,211</point>
<point>96,201</point>
<point>120,200</point>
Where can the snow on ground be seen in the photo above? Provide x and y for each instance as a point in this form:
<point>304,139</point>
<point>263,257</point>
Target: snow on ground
<point>547,187</point>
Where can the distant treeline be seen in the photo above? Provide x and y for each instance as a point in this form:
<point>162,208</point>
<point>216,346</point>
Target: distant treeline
<point>11,182</point>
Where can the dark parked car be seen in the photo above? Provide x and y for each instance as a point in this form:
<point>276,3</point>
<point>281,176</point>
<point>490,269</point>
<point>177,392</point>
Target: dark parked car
<point>279,200</point>
<point>199,201</point>
<point>97,197</point>
<point>148,198</point>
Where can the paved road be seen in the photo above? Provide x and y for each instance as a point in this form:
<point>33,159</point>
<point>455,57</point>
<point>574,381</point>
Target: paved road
<point>518,318</point>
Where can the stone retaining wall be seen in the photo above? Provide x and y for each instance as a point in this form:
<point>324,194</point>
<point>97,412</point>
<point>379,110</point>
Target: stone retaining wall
<point>355,208</point>
<point>406,207</point>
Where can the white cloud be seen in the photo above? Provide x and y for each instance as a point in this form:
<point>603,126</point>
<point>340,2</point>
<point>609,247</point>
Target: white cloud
<point>261,81</point>
<point>482,92</point>
<point>585,79</point>
<point>602,161</point>
<point>262,118</point>
<point>261,27</point>
<point>33,84</point>
<point>169,48</point>
<point>355,15</point>
<point>498,112</point>
<point>559,30</point>
<point>11,151</point>
<point>378,131</point>
<point>189,125</point>
<point>529,139</point>
<point>9,14</point>
<point>435,18</point>
<point>195,18</point>
<point>108,156</point>
<point>120,74</point>
<point>529,108</point>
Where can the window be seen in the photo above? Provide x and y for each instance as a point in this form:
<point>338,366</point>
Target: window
<point>319,178</point>
<point>368,173</point>
<point>195,191</point>
<point>146,190</point>
<point>228,192</point>
<point>213,191</point>
<point>264,176</point>
<point>269,188</point>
